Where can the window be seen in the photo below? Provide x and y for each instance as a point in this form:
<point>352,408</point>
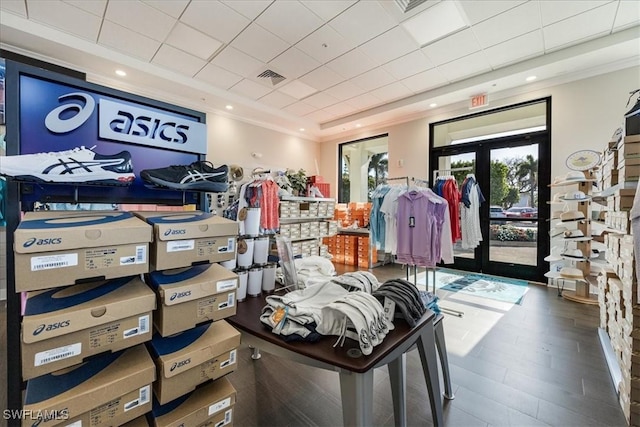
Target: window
<point>363,164</point>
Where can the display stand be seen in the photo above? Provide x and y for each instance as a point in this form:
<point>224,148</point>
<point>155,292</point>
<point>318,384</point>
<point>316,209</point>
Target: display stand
<point>20,196</point>
<point>582,294</point>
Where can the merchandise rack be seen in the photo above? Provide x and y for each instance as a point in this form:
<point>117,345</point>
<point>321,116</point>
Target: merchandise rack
<point>18,194</point>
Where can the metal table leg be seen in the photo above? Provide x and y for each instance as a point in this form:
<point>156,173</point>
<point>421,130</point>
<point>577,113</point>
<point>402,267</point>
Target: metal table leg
<point>429,361</point>
<point>357,398</point>
<point>398,378</point>
<point>441,346</point>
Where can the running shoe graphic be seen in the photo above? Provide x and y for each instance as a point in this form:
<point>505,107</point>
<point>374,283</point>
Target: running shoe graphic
<point>198,176</point>
<point>80,165</point>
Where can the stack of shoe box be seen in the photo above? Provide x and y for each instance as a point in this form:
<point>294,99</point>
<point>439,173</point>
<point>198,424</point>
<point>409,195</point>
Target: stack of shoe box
<point>193,347</point>
<point>364,250</point>
<point>85,303</point>
<point>629,158</point>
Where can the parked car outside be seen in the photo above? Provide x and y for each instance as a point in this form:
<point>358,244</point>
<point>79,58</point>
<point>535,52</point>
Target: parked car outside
<point>496,212</point>
<point>521,212</point>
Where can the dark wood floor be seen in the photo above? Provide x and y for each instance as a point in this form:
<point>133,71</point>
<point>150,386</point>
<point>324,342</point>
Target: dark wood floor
<point>539,364</point>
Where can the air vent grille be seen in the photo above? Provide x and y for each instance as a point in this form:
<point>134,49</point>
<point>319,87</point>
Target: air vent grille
<point>273,76</point>
<point>407,5</point>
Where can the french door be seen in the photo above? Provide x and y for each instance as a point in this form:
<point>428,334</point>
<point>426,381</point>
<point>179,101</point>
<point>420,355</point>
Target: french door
<point>513,174</point>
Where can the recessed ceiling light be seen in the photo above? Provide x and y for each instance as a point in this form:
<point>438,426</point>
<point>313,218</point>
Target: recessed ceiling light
<point>358,125</point>
<point>301,129</point>
<point>121,73</point>
<point>229,107</point>
<point>432,105</point>
<point>531,78</point>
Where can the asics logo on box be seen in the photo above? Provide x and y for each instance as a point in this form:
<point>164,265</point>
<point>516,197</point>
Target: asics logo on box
<point>51,327</point>
<point>176,295</point>
<point>118,121</point>
<point>180,364</point>
<point>173,232</point>
<point>35,241</point>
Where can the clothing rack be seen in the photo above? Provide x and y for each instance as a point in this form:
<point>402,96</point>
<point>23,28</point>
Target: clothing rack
<point>406,178</point>
<point>420,181</point>
<point>438,172</point>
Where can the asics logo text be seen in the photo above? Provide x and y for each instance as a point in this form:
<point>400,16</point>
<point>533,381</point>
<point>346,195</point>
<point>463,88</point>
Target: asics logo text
<point>179,295</point>
<point>173,232</point>
<point>51,326</point>
<point>180,364</point>
<point>35,241</point>
<point>149,127</point>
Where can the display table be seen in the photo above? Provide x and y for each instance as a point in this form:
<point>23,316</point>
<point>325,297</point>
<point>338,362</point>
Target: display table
<point>356,373</point>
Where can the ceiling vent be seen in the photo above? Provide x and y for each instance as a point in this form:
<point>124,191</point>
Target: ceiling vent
<point>407,5</point>
<point>273,76</point>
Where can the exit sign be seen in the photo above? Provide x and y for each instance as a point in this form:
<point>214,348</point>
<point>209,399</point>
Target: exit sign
<point>478,101</point>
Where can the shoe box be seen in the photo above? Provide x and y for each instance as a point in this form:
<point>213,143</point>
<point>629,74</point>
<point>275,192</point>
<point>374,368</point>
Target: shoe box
<point>193,357</point>
<point>209,405</point>
<point>58,248</point>
<point>63,326</point>
<point>138,422</point>
<point>108,390</point>
<point>190,296</point>
<point>182,239</point>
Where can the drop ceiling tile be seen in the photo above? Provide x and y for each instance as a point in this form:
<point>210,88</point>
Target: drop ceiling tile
<point>408,65</point>
<point>128,41</point>
<point>321,100</point>
<point>95,7</point>
<point>300,109</point>
<point>628,14</point>
<point>322,78</point>
<point>516,49</point>
<point>515,22</point>
<point>250,89</point>
<point>336,44</point>
<point>172,8</point>
<point>478,11</point>
<point>453,47</point>
<point>392,92</point>
<point>319,116</point>
<point>249,8</point>
<point>297,89</point>
<point>373,79</point>
<point>141,18</point>
<point>193,41</point>
<point>238,62</point>
<point>17,7</point>
<point>362,22</point>
<point>65,17</point>
<point>215,19</point>
<point>345,90</point>
<point>591,24</point>
<point>289,20</point>
<point>260,43</point>
<point>218,77</point>
<point>364,101</point>
<point>562,9</point>
<point>327,9</point>
<point>277,99</point>
<point>436,22</point>
<point>294,63</point>
<point>389,46</point>
<point>177,60</point>
<point>468,66</point>
<point>340,110</point>
<point>424,81</point>
<point>351,64</point>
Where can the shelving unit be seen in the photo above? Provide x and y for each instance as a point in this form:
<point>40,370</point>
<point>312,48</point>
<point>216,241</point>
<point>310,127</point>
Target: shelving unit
<point>307,220</point>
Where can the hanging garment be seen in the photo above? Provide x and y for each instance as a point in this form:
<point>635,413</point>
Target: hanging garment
<point>471,200</point>
<point>376,218</point>
<point>448,188</point>
<point>389,208</point>
<point>269,206</point>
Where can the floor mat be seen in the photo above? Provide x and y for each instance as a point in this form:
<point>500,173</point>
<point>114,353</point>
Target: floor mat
<point>479,285</point>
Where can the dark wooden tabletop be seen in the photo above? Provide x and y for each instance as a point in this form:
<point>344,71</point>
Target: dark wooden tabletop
<point>247,320</point>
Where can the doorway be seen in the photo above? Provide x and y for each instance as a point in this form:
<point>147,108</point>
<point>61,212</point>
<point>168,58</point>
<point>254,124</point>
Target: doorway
<point>510,159</point>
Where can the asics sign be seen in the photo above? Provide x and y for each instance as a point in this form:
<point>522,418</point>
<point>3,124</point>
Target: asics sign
<point>119,121</point>
<point>49,241</point>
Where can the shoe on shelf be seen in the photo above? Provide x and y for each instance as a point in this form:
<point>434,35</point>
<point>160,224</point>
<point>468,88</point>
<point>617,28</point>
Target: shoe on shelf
<point>80,165</point>
<point>198,176</point>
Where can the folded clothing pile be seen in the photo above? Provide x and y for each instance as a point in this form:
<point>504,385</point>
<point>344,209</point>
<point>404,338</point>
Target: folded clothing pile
<point>407,301</point>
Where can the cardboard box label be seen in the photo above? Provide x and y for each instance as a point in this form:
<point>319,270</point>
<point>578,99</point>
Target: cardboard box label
<point>139,258</point>
<point>230,361</point>
<point>142,328</point>
<point>219,406</point>
<point>47,262</point>
<point>207,247</point>
<point>181,245</point>
<point>227,418</point>
<point>76,424</point>
<point>230,302</point>
<point>226,285</point>
<point>55,354</point>
<point>143,397</point>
